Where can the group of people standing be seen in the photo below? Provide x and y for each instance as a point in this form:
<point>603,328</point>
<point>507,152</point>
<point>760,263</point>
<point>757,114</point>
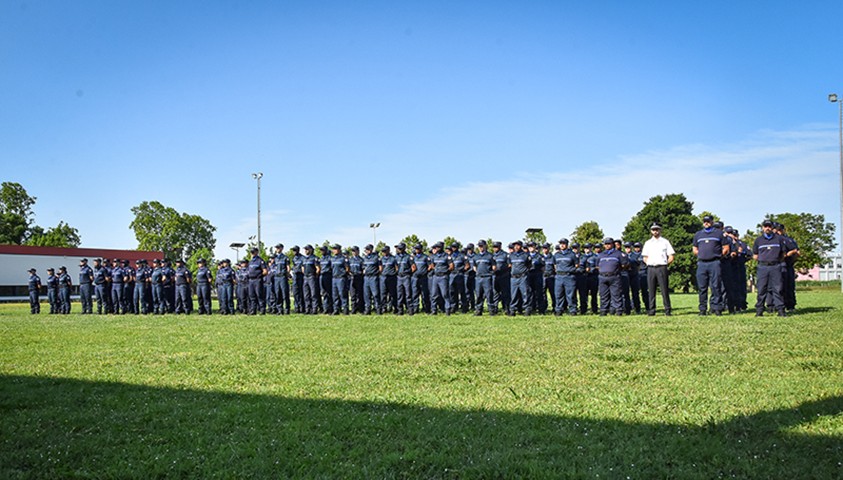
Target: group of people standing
<point>528,278</point>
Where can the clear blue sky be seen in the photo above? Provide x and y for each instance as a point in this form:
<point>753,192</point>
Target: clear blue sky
<point>470,119</point>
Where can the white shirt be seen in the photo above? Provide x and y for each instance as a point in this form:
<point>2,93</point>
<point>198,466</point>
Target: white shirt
<point>657,250</point>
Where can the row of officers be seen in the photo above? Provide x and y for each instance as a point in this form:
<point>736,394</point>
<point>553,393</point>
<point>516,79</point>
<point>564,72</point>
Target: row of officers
<point>526,279</point>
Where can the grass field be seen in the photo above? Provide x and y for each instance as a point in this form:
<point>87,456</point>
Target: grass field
<point>424,397</point>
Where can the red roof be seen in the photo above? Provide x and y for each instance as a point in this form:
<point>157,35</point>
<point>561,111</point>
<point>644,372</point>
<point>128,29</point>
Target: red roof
<point>80,252</point>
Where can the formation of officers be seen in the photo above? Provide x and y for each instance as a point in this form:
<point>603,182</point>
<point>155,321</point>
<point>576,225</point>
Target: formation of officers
<point>567,278</point>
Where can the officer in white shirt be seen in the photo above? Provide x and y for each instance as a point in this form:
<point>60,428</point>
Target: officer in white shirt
<point>658,254</point>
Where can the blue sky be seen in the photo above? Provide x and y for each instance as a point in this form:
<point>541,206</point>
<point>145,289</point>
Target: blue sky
<point>469,119</point>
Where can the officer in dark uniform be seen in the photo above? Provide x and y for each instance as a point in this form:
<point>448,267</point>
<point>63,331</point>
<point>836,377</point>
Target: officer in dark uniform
<point>788,268</point>
<point>727,278</point>
<point>535,278</point>
<point>339,277</point>
<point>310,272</point>
<point>138,305</point>
<point>441,267</point>
<point>225,287</point>
<point>565,263</point>
<point>159,300</point>
<point>128,286</point>
<point>389,281</point>
<point>521,294</point>
<point>768,251</point>
<point>118,278</point>
<point>169,278</point>
<point>632,274</point>
<point>371,281</point>
<point>610,263</point>
<point>298,280</point>
<point>708,248</point>
<point>53,291</point>
<point>281,283</point>
<point>483,266</point>
<point>269,285</point>
<point>729,271</point>
<point>640,294</point>
<point>257,269</point>
<point>406,265</point>
<point>355,271</point>
<point>65,284</point>
<point>624,275</point>
<point>548,286</point>
<point>502,279</point>
<point>456,280</point>
<point>742,255</point>
<point>592,273</point>
<point>421,293</point>
<point>470,277</point>
<point>580,282</point>
<point>34,292</point>
<point>325,280</point>
<point>183,279</point>
<point>86,290</point>
<point>204,280</point>
<point>241,277</point>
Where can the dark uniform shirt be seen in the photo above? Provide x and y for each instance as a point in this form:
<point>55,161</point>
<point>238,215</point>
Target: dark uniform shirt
<point>519,263</point>
<point>422,262</point>
<point>168,275</point>
<point>225,276</point>
<point>203,276</point>
<point>52,282</point>
<point>355,265</point>
<point>157,275</point>
<point>297,262</point>
<point>390,265</point>
<point>64,280</point>
<point>405,264</point>
<point>442,263</point>
<point>636,260</point>
<point>459,261</point>
<point>256,267</point>
<point>117,274</point>
<point>709,243</point>
<point>591,262</point>
<point>483,263</point>
<point>537,262</point>
<point>769,249</point>
<point>549,268</point>
<point>339,266</point>
<point>308,265</point>
<point>85,274</point>
<point>100,275</point>
<point>282,265</point>
<point>789,244</point>
<point>34,282</point>
<point>565,262</point>
<point>182,275</point>
<point>325,265</point>
<point>501,262</point>
<point>610,262</point>
<point>371,264</point>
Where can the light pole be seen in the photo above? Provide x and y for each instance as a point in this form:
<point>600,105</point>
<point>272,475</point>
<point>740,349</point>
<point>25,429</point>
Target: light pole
<point>832,97</point>
<point>236,247</point>
<point>374,227</point>
<point>258,176</point>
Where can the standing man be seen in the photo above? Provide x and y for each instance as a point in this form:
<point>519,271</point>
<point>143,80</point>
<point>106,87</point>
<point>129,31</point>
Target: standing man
<point>421,293</point>
<point>521,298</point>
<point>204,280</point>
<point>502,278</point>
<point>371,290</point>
<point>34,292</point>
<point>65,283</point>
<point>225,288</point>
<point>627,301</point>
<point>658,253</point>
<point>610,262</point>
<point>535,278</point>
<point>548,289</point>
<point>389,281</point>
<point>355,270</point>
<point>788,269</point>
<point>325,280</point>
<point>129,286</point>
<point>298,280</point>
<point>257,269</point>
<point>183,278</point>
<point>634,259</point>
<point>310,272</point>
<point>159,305</point>
<point>441,267</point>
<point>86,290</point>
<point>484,268</point>
<point>281,283</point>
<point>169,286</point>
<point>709,248</point>
<point>581,288</point>
<point>339,277</point>
<point>769,251</point>
<point>118,278</point>
<point>456,280</point>
<point>641,280</point>
<point>565,263</point>
<point>470,277</point>
<point>52,291</point>
<point>141,278</point>
<point>406,266</point>
<point>592,273</point>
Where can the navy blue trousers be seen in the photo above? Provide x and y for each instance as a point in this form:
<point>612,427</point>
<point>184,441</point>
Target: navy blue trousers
<point>338,289</point>
<point>456,290</point>
<point>311,299</point>
<point>371,294</point>
<point>611,294</point>
<point>226,299</point>
<point>708,276</point>
<point>282,294</point>
<point>257,301</point>
<point>117,301</point>
<point>184,304</point>
<point>421,294</point>
<point>203,298</point>
<point>405,294</point>
<point>440,298</point>
<point>769,283</point>
<point>485,292</point>
<point>521,296</point>
<point>566,287</point>
<point>389,292</point>
<point>86,292</point>
<point>34,302</point>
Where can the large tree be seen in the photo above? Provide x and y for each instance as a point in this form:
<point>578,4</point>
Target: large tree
<point>176,234</point>
<point>15,213</point>
<point>587,232</point>
<point>62,235</point>
<point>813,235</point>
<point>413,240</point>
<point>675,214</point>
<point>537,236</point>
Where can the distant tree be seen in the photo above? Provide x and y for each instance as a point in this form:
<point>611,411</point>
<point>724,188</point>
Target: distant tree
<point>15,213</point>
<point>813,235</point>
<point>13,229</point>
<point>674,213</point>
<point>380,246</point>
<point>158,227</point>
<point>587,232</point>
<point>537,236</point>
<point>192,262</point>
<point>62,235</point>
<point>413,239</point>
<point>449,240</point>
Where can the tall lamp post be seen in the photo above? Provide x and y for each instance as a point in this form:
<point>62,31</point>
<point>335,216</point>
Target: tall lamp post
<point>258,176</point>
<point>374,227</point>
<point>236,247</point>
<point>832,97</point>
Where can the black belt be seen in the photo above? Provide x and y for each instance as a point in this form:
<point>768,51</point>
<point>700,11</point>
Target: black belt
<point>440,274</point>
<point>563,274</point>
<point>769,264</point>
<point>609,274</point>
<point>404,275</point>
<point>709,260</point>
<point>370,275</point>
<point>519,276</point>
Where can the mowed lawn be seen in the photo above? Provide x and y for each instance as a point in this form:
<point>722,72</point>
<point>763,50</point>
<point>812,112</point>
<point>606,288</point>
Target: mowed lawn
<point>424,397</point>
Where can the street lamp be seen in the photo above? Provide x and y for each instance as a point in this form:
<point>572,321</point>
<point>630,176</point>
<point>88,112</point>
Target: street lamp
<point>236,247</point>
<point>258,176</point>
<point>832,97</point>
<point>374,227</point>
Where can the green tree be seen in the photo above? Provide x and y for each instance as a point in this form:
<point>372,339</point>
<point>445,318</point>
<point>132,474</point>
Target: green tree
<point>675,214</point>
<point>587,232</point>
<point>813,235</point>
<point>449,240</point>
<point>205,253</point>
<point>412,240</point>
<point>15,213</point>
<point>158,227</point>
<point>537,236</point>
<point>62,235</point>
<point>13,229</point>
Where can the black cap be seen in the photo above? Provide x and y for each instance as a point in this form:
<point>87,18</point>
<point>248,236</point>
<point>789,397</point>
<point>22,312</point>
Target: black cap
<point>546,245</point>
<point>438,245</point>
<point>295,248</point>
<point>781,226</point>
<point>97,260</point>
<point>563,240</point>
<point>32,270</point>
<point>718,224</point>
<point>385,248</point>
<point>655,226</point>
<point>627,244</point>
<point>308,247</point>
<point>254,250</point>
<point>597,245</point>
<point>49,269</point>
<point>470,246</point>
<point>575,245</point>
<point>201,260</point>
<point>369,247</point>
<point>61,269</point>
<point>767,223</point>
<point>126,263</point>
<point>155,261</point>
<point>587,245</point>
<point>417,247</point>
<point>84,260</point>
<point>481,243</point>
<point>729,229</point>
<point>777,225</point>
<point>280,245</point>
<point>336,246</point>
<point>637,245</point>
<point>531,243</point>
<point>608,241</point>
<point>323,248</point>
<point>355,248</point>
<point>518,242</point>
<point>708,218</point>
<point>180,261</point>
<point>401,246</point>
<point>454,246</point>
<point>496,244</point>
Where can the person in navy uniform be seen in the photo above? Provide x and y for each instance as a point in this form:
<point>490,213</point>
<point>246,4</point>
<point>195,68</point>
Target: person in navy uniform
<point>548,285</point>
<point>590,261</point>
<point>128,285</point>
<point>406,265</point>
<point>624,275</point>
<point>86,289</point>
<point>441,267</point>
<point>768,250</point>
<point>339,277</point>
<point>726,275</point>
<point>225,287</point>
<point>521,294</point>
<point>484,266</point>
<point>708,248</point>
<point>502,278</point>
<point>388,281</point>
<point>241,278</point>
<point>456,280</point>
<point>729,271</point>
<point>159,302</point>
<point>310,272</point>
<point>371,283</point>
<point>325,280</point>
<point>183,279</point>
<point>355,283</point>
<point>34,286</point>
<point>141,279</point>
<point>53,291</point>
<point>298,279</point>
<point>637,278</point>
<point>470,277</point>
<point>169,278</point>
<point>580,281</point>
<point>610,262</point>
<point>632,297</point>
<point>281,282</point>
<point>257,270</point>
<point>204,280</point>
<point>565,263</point>
<point>742,254</point>
<point>535,278</point>
<point>118,278</point>
<point>788,267</point>
<point>421,292</point>
<point>65,284</point>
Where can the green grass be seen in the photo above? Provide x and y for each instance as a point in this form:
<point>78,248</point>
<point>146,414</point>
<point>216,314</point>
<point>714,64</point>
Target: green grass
<point>424,397</point>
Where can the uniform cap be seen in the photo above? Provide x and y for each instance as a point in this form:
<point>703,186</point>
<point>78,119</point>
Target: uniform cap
<point>369,247</point>
<point>84,260</point>
<point>308,247</point>
<point>61,269</point>
<point>417,246</point>
<point>254,250</point>
<point>518,242</point>
<point>32,270</point>
<point>49,270</point>
<point>336,246</point>
<point>655,226</point>
<point>454,246</point>
<point>627,244</point>
<point>708,218</point>
<point>767,223</point>
<point>777,225</point>
<point>781,226</point>
<point>244,262</point>
<point>280,245</point>
<point>637,245</point>
<point>295,248</point>
<point>588,245</point>
<point>355,248</point>
<point>200,261</point>
<point>470,246</point>
<point>546,245</point>
<point>531,243</point>
<point>729,229</point>
<point>439,245</point>
<point>608,241</point>
<point>563,240</point>
<point>496,244</point>
<point>718,224</point>
<point>323,248</point>
<point>481,243</point>
<point>180,261</point>
<point>156,261</point>
<point>385,248</point>
<point>575,245</point>
<point>126,262</point>
<point>401,246</point>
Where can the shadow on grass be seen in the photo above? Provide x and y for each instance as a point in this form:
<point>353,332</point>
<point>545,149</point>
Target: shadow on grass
<point>59,428</point>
